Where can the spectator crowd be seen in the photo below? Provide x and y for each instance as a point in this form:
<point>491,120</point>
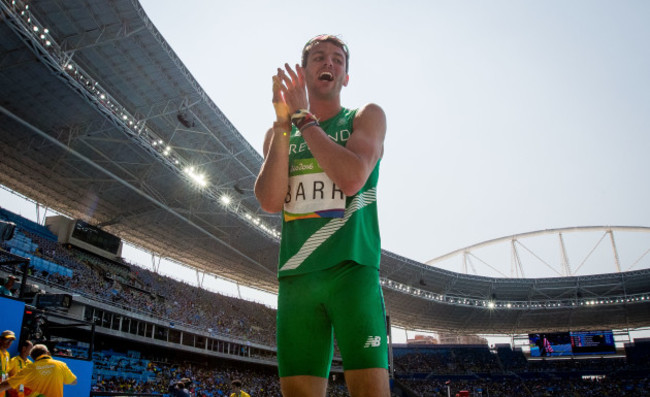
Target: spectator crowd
<point>422,372</point>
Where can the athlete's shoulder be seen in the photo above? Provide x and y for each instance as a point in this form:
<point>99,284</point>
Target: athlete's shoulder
<point>373,116</point>
<point>370,112</point>
<point>370,108</point>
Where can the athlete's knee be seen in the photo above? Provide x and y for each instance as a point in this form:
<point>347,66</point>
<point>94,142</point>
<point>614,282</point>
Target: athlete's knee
<point>303,386</point>
<point>370,382</point>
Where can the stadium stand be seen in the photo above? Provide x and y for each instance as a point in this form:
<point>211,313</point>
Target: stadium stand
<point>429,370</point>
<point>22,245</point>
<point>421,370</point>
<point>27,225</point>
<point>129,372</point>
<point>140,290</point>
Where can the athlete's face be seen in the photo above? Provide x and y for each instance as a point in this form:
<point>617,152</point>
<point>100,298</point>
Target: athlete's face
<point>325,70</point>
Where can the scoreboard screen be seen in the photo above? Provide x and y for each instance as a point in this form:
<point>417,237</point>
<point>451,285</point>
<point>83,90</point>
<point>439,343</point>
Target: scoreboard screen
<point>556,344</point>
<point>593,342</point>
<point>550,344</point>
<point>96,237</point>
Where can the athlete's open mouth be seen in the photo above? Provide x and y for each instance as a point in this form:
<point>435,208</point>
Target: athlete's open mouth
<point>327,76</point>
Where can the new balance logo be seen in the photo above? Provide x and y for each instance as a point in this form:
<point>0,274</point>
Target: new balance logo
<point>373,341</point>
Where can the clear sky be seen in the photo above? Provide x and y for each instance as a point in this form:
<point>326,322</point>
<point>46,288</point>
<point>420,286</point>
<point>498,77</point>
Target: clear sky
<point>504,117</point>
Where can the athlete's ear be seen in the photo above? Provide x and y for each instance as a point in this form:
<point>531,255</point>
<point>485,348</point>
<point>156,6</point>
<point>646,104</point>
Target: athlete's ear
<point>346,80</point>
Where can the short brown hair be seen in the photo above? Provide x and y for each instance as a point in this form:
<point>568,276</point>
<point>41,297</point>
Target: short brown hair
<point>25,343</point>
<point>321,38</point>
<point>39,350</point>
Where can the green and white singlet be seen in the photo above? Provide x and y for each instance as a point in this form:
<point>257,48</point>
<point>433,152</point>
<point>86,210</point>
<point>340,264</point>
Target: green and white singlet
<point>321,226</point>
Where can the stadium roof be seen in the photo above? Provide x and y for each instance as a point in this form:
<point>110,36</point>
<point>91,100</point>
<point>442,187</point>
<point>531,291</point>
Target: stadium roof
<point>101,121</point>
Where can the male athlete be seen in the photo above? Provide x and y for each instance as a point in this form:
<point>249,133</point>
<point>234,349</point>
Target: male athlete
<point>328,157</point>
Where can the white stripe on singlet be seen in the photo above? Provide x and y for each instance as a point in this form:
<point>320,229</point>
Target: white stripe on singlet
<point>322,234</point>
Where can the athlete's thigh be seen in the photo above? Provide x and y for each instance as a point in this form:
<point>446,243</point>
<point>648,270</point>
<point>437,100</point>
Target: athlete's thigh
<point>359,318</point>
<point>304,331</point>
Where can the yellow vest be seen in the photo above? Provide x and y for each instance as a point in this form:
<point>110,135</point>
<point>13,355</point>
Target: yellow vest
<point>44,376</point>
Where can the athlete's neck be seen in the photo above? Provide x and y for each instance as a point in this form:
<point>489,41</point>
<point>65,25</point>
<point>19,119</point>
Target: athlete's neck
<point>325,109</point>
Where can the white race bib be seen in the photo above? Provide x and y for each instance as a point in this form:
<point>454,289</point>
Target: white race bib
<point>312,194</point>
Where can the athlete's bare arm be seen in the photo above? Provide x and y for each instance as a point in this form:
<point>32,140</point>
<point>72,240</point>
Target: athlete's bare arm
<point>273,180</point>
<point>349,166</point>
